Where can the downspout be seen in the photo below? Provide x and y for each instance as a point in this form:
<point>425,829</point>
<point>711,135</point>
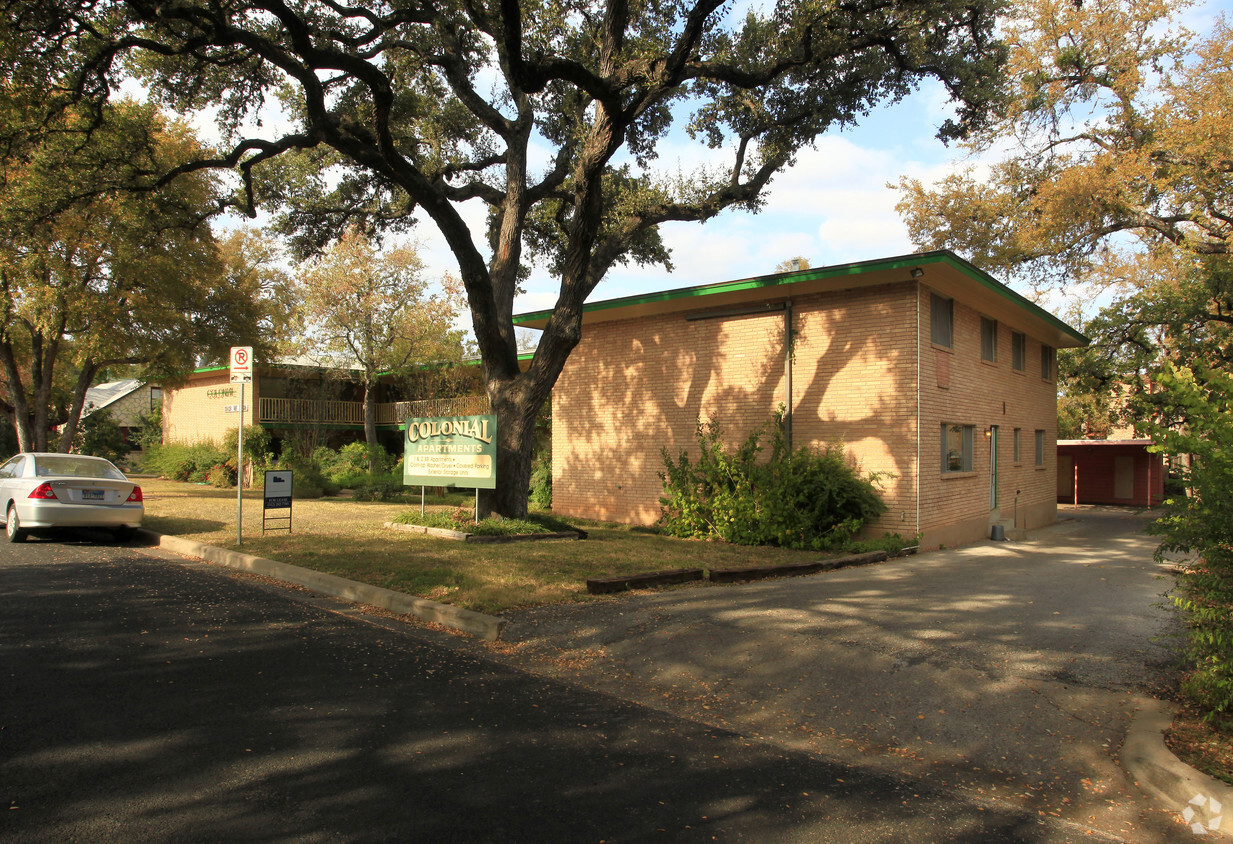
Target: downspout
<point>787,370</point>
<point>919,393</point>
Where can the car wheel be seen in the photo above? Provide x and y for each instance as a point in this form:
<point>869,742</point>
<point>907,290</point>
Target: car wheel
<point>122,534</point>
<point>12,527</point>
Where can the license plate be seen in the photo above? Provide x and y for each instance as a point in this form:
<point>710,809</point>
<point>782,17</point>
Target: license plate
<point>92,494</point>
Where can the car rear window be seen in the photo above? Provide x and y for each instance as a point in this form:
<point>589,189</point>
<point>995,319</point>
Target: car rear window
<point>76,467</point>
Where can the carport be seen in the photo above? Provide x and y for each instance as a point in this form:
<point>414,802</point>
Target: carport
<point>1109,472</point>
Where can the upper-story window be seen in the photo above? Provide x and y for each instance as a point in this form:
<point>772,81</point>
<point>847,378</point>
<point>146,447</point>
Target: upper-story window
<point>1046,362</point>
<point>988,339</point>
<point>1018,351</point>
<point>942,320</point>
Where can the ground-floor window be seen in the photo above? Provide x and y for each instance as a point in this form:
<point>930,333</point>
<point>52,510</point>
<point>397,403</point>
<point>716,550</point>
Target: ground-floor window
<point>1040,448</point>
<point>957,447</point>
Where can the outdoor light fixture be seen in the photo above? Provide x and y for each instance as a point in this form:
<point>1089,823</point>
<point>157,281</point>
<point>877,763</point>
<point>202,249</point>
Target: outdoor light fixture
<point>988,433</point>
<point>917,272</point>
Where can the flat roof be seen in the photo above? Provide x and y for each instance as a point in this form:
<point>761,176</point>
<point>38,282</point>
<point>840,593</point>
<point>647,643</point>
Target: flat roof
<point>941,270</point>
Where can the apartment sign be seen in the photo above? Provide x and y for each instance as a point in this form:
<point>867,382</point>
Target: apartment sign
<point>450,451</point>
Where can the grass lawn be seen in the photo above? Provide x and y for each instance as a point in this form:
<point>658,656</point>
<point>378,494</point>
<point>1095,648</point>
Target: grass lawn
<point>347,538</point>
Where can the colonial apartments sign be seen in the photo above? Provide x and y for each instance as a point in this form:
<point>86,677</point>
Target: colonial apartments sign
<point>451,451</point>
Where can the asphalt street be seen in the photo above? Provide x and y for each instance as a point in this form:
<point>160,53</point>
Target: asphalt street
<point>148,698</point>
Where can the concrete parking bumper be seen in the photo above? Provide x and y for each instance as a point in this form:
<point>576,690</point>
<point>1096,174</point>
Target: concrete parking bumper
<point>474,623</point>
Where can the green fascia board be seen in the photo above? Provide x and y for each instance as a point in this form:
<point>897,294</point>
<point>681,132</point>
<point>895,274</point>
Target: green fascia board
<point>941,256</point>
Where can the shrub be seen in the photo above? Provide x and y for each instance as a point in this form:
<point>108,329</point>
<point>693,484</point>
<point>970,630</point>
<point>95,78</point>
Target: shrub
<point>308,480</point>
<point>181,462</point>
<point>348,467</point>
<point>1201,525</point>
<point>256,445</point>
<point>541,481</point>
<point>382,488</point>
<point>99,435</point>
<point>809,498</point>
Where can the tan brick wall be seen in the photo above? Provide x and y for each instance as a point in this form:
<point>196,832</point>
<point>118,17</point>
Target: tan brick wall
<point>634,387</point>
<point>983,394</point>
<point>191,415</point>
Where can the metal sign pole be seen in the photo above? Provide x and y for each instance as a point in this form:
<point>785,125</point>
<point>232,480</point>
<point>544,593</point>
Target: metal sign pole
<point>239,473</point>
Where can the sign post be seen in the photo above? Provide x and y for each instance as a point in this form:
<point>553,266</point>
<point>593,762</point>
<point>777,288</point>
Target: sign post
<point>241,373</point>
<point>278,485</point>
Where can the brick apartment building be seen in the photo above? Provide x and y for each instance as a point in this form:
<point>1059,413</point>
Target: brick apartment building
<point>924,366</point>
<point>322,403</point>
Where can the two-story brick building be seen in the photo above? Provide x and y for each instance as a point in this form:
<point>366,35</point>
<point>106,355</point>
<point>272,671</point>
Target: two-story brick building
<point>924,366</point>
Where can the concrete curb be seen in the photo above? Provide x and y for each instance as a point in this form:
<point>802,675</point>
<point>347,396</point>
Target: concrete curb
<point>620,583</point>
<point>746,573</point>
<point>1162,775</point>
<point>476,624</point>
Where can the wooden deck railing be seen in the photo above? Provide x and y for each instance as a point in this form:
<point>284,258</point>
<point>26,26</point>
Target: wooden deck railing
<point>319,412</point>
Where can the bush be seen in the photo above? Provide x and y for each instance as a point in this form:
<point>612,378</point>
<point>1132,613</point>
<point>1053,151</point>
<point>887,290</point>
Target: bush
<point>541,481</point>
<point>348,467</point>
<point>308,480</point>
<point>1201,525</point>
<point>180,462</point>
<point>381,488</point>
<point>99,435</point>
<point>256,445</point>
<point>810,498</point>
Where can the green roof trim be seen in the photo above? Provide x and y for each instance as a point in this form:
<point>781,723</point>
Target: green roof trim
<point>941,256</point>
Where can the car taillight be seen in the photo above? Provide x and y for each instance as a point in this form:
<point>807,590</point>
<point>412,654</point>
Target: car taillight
<point>135,495</point>
<point>43,490</point>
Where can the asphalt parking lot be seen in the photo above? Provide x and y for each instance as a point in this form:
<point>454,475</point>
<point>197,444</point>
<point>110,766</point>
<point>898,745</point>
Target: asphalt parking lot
<point>1009,670</point>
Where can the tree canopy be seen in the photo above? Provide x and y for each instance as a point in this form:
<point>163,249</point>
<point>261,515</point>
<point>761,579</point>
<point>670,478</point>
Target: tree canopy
<point>547,112</point>
<point>368,308</point>
<point>1118,131</point>
<point>98,268</point>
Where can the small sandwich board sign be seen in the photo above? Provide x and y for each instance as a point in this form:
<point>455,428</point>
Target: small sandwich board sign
<point>277,497</point>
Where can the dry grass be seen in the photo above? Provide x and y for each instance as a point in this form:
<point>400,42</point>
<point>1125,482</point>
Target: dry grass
<point>347,538</point>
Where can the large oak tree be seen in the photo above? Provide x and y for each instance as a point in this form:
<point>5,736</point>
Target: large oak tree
<point>546,111</point>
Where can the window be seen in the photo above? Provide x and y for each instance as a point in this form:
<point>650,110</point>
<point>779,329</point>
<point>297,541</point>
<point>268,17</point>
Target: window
<point>156,397</point>
<point>988,339</point>
<point>1018,351</point>
<point>1040,448</point>
<point>1017,431</point>
<point>1046,362</point>
<point>957,447</point>
<point>942,318</point>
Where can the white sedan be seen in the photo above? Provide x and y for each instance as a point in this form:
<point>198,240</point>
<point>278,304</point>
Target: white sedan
<point>67,490</point>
